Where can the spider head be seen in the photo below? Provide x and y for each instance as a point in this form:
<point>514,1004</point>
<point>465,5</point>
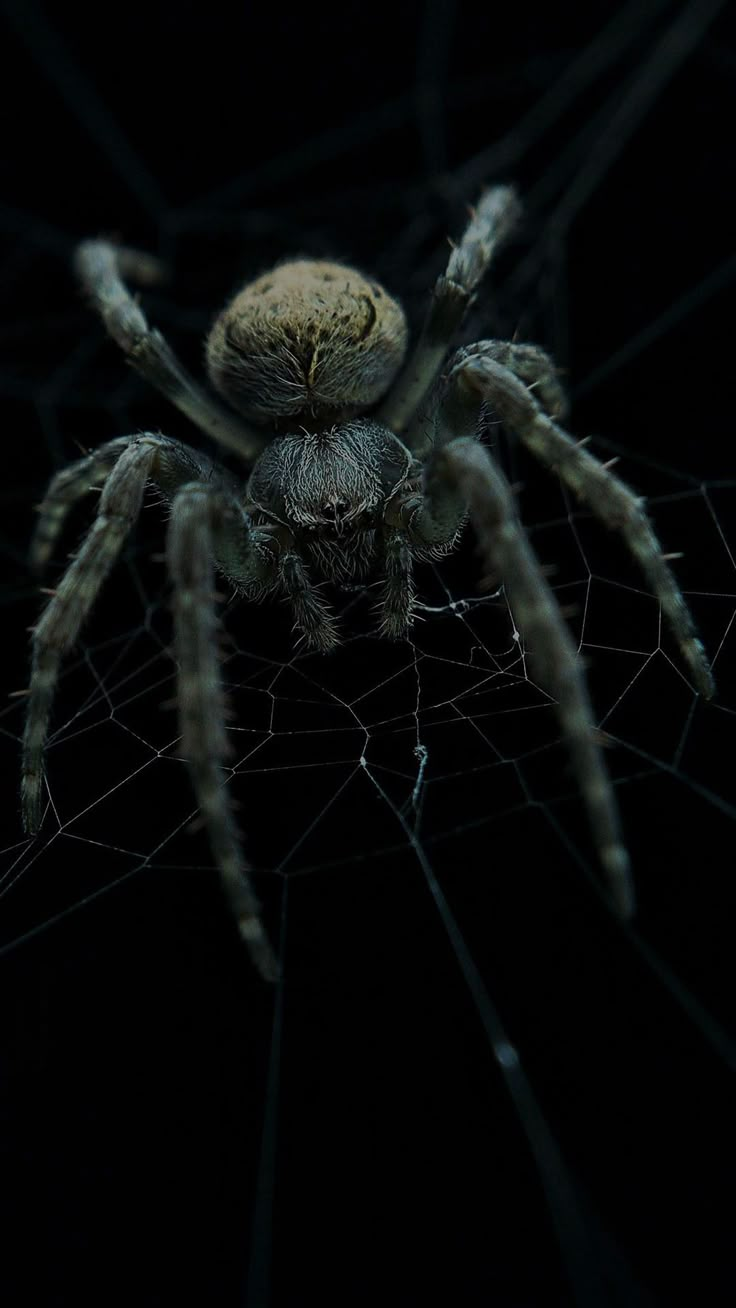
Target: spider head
<point>310,341</point>
<point>331,483</point>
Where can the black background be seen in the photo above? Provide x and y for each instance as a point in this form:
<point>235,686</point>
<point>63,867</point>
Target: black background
<point>177,1134</point>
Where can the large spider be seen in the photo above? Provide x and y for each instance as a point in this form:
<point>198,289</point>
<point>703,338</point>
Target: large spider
<point>368,466</point>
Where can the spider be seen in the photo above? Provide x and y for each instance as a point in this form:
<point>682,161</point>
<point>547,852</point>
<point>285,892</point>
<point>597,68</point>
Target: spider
<point>371,462</point>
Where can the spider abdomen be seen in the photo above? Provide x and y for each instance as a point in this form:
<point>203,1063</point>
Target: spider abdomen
<point>310,338</point>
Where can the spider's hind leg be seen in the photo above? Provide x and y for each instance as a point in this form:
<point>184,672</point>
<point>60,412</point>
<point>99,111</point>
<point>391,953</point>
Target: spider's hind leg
<point>101,267</point>
<point>494,216</point>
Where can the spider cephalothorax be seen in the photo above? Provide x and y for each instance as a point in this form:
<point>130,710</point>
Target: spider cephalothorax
<point>367,465</point>
<point>330,490</point>
<point>333,481</point>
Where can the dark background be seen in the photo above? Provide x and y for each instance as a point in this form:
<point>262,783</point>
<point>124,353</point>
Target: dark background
<point>176,1132</point>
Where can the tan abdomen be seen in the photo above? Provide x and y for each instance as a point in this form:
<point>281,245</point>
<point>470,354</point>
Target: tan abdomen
<point>307,339</point>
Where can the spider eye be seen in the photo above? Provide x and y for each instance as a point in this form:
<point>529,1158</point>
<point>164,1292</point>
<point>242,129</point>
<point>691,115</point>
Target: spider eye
<point>334,509</point>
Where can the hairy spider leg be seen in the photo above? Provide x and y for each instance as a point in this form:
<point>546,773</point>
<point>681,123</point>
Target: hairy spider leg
<point>460,476</point>
<point>506,389</point>
<point>495,215</point>
<point>208,529</point>
<point>551,653</point>
<point>197,513</point>
<point>58,627</point>
<point>101,267</point>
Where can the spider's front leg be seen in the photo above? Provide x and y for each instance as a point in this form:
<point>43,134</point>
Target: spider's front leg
<point>207,526</point>
<point>460,476</point>
<point>121,468</point>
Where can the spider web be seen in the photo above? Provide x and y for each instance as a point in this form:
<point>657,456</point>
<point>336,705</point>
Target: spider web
<point>418,843</point>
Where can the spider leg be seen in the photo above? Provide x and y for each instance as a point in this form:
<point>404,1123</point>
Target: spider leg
<point>463,468</point>
<point>478,374</point>
<point>496,213</point>
<point>59,625</point>
<point>116,469</point>
<point>101,267</point>
<point>174,464</point>
<point>530,364</point>
<point>62,493</point>
<point>196,519</point>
